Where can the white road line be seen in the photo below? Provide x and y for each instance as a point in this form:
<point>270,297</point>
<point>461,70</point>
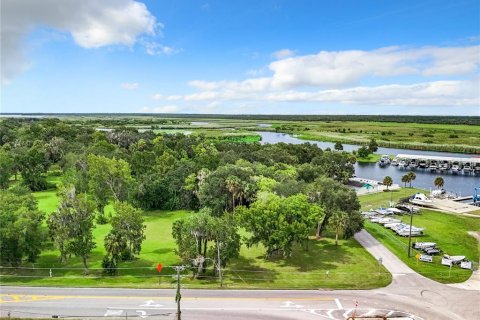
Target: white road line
<point>345,315</point>
<point>339,305</point>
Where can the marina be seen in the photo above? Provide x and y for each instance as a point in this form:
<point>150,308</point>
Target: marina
<point>441,164</point>
<point>455,182</point>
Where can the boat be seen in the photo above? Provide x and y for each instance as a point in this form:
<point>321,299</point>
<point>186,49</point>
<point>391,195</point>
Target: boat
<point>413,164</point>
<point>443,166</point>
<point>402,163</point>
<point>422,164</point>
<point>456,167</point>
<point>421,199</point>
<point>477,167</point>
<point>433,166</point>
<point>384,161</point>
<point>395,162</point>
<point>467,168</point>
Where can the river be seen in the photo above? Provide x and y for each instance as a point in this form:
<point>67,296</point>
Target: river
<point>460,184</point>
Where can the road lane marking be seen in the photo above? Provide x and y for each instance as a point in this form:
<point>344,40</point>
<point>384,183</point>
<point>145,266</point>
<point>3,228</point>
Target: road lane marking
<point>36,297</point>
<point>339,305</point>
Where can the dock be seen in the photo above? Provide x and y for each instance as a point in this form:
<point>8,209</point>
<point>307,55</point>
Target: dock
<point>454,165</point>
<point>410,157</point>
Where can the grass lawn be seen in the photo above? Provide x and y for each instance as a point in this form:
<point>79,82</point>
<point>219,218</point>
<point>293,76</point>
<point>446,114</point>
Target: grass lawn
<point>448,231</point>
<point>324,265</point>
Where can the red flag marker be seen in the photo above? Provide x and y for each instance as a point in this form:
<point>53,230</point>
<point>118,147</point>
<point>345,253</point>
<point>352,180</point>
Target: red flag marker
<point>159,267</point>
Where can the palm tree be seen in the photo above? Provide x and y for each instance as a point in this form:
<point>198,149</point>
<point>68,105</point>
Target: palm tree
<point>338,221</point>
<point>234,185</point>
<point>405,179</point>
<point>412,177</point>
<point>387,181</point>
<point>439,182</point>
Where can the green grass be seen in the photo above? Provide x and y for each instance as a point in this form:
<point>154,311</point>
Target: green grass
<point>348,265</point>
<point>372,158</point>
<point>436,137</point>
<point>448,231</point>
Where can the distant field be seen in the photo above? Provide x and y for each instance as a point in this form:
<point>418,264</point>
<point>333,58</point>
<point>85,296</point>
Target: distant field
<point>348,265</point>
<point>448,231</point>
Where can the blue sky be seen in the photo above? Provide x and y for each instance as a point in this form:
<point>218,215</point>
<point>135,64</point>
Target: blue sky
<point>288,57</point>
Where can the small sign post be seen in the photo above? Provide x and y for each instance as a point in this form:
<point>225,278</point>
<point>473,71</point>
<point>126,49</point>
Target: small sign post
<point>159,269</point>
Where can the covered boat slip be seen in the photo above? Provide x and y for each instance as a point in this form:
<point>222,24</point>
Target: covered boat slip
<point>474,161</point>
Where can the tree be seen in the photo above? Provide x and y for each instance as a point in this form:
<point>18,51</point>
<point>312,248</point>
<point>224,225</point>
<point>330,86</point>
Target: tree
<point>114,246</point>
<point>338,222</point>
<point>6,168</point>
<point>21,234</point>
<point>214,193</point>
<point>412,176</point>
<point>33,165</point>
<point>338,146</point>
<point>277,223</point>
<point>363,152</point>
<point>337,165</point>
<point>439,182</point>
<point>372,145</point>
<point>194,234</point>
<point>108,178</point>
<point>128,225</point>
<point>333,196</point>
<point>72,225</point>
<point>405,179</point>
<point>387,181</point>
<point>234,186</point>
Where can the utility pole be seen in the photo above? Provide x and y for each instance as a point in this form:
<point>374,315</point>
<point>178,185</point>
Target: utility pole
<point>219,264</point>
<point>410,233</point>
<point>178,296</point>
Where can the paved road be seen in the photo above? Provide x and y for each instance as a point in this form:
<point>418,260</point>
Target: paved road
<point>410,296</point>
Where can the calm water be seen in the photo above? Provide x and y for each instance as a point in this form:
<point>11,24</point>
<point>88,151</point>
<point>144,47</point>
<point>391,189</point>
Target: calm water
<point>460,184</point>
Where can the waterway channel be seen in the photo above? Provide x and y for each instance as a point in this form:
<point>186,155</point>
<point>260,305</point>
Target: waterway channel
<point>460,184</point>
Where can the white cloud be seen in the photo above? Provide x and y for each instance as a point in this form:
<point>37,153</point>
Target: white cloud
<point>129,86</point>
<point>154,48</point>
<point>284,53</point>
<point>435,93</point>
<point>159,96</point>
<point>91,23</point>
<point>331,69</point>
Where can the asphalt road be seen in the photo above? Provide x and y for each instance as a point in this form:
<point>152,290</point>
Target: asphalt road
<point>409,296</point>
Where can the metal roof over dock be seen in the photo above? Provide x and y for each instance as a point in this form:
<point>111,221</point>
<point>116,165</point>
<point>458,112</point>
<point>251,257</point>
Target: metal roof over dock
<point>437,158</point>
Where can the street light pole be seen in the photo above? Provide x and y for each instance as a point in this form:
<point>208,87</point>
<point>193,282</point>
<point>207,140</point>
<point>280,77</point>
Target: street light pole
<point>410,233</point>
<point>178,296</point>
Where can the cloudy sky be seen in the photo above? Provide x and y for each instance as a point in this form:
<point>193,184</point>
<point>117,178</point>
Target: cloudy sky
<point>271,57</point>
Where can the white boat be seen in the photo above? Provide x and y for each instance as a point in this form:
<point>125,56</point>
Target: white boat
<point>422,245</point>
<point>395,162</point>
<point>443,166</point>
<point>467,168</point>
<point>384,161</point>
<point>402,163</point>
<point>422,164</point>
<point>477,167</point>
<point>433,166</point>
<point>413,164</point>
<point>421,199</point>
<point>456,167</point>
